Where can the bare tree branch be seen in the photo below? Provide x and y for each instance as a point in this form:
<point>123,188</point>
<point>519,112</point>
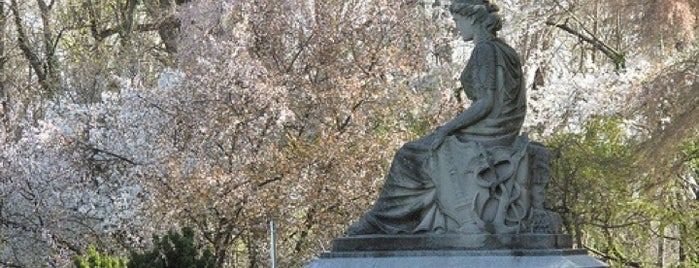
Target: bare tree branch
<point>617,57</point>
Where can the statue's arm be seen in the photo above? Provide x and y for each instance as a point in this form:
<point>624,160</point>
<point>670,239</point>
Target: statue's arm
<point>476,112</point>
<point>484,57</point>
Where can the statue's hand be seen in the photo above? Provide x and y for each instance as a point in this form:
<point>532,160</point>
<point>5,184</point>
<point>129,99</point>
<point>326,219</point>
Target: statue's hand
<point>440,134</point>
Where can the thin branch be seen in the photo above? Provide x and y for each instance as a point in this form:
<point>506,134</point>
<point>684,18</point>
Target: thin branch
<point>276,178</point>
<point>67,244</point>
<point>342,127</point>
<point>616,226</point>
<point>626,262</point>
<point>302,47</point>
<point>9,264</point>
<point>614,55</point>
<point>147,27</point>
<point>98,150</point>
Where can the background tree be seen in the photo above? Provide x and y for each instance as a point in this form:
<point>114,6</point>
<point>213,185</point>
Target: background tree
<point>174,250</point>
<point>123,119</point>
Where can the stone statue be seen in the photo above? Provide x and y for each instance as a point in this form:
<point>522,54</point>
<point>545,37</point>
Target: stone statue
<point>475,174</point>
<point>471,193</point>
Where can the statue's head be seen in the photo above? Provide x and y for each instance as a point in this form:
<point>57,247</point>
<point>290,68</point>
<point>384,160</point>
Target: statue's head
<point>482,12</point>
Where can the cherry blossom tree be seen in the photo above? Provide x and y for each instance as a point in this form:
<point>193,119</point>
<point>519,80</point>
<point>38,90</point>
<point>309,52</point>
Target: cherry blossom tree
<point>123,119</point>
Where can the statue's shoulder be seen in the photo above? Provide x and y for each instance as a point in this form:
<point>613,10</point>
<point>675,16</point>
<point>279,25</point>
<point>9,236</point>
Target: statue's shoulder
<point>508,51</point>
<point>497,52</point>
<point>485,48</point>
<point>483,53</point>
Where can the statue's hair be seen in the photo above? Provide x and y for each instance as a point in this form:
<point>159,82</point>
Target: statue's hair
<point>483,11</point>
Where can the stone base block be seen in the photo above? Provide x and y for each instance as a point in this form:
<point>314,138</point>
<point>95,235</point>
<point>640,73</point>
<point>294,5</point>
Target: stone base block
<point>455,251</point>
<point>559,258</point>
<point>451,242</point>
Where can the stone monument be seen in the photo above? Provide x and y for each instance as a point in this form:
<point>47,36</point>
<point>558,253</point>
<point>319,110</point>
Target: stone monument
<point>471,193</point>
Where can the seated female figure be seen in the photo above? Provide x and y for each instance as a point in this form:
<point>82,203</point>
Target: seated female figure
<point>469,175</point>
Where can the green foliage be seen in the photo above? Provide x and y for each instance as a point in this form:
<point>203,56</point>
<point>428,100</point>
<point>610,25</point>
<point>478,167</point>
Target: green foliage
<point>96,260</point>
<point>175,250</point>
<point>620,61</point>
<point>687,204</point>
<point>617,208</point>
<point>690,154</point>
<point>593,185</point>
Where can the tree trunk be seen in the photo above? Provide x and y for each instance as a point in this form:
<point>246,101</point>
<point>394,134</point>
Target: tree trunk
<point>3,93</point>
<point>45,66</point>
<point>169,26</point>
<point>661,247</point>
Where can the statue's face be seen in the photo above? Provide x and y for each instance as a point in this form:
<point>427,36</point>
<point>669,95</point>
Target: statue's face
<point>465,26</point>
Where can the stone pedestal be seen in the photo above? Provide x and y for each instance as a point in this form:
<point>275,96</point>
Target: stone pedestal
<point>525,250</point>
